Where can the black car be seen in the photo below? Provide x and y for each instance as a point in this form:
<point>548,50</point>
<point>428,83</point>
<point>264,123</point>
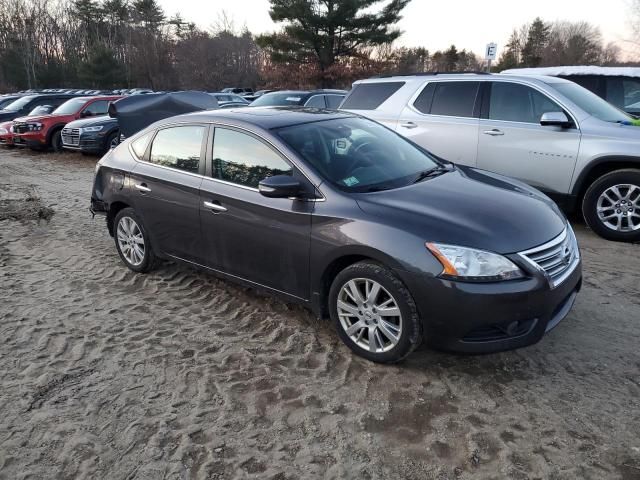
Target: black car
<point>325,98</point>
<point>7,99</point>
<point>91,135</point>
<point>25,104</point>
<point>347,217</point>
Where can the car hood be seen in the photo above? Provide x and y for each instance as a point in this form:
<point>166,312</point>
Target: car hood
<point>6,115</point>
<point>104,120</point>
<point>40,118</point>
<point>473,208</point>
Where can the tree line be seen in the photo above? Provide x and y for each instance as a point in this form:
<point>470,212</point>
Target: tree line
<point>134,43</point>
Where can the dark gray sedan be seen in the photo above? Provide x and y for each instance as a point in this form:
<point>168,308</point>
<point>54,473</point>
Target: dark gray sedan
<point>348,218</point>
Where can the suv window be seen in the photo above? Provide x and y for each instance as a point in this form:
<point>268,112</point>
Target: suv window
<point>178,147</point>
<point>623,92</point>
<point>369,96</point>
<point>512,102</point>
<point>453,99</point>
<point>98,107</point>
<point>243,159</point>
<point>316,101</point>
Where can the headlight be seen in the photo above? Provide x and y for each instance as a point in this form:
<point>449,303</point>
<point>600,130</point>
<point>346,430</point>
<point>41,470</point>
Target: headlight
<point>462,263</point>
<point>3,131</point>
<point>34,127</point>
<point>91,129</point>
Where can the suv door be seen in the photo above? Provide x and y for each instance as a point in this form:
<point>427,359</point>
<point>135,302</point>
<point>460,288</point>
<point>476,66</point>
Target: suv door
<point>259,239</point>
<point>166,189</point>
<point>512,142</point>
<point>443,118</point>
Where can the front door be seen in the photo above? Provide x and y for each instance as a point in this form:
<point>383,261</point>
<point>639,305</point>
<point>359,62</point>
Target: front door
<point>512,142</point>
<point>167,190</point>
<point>259,239</point>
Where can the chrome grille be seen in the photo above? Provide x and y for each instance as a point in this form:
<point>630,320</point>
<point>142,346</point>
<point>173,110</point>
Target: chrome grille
<point>20,127</point>
<point>557,258</point>
<point>71,136</point>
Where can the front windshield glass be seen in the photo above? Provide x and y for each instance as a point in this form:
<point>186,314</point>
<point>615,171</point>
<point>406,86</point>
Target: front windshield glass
<point>41,110</point>
<point>358,155</point>
<point>278,99</point>
<point>70,106</point>
<point>591,103</point>
<point>18,104</point>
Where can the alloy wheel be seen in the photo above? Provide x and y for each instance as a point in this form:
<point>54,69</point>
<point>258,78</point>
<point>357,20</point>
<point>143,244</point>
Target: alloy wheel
<point>131,241</point>
<point>369,315</point>
<point>618,207</point>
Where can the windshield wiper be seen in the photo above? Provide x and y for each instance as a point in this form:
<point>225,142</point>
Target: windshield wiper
<point>432,172</point>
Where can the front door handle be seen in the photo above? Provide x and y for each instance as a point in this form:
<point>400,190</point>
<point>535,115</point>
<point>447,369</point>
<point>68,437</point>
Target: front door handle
<point>494,132</point>
<point>215,206</point>
<point>408,125</point>
<point>142,187</point>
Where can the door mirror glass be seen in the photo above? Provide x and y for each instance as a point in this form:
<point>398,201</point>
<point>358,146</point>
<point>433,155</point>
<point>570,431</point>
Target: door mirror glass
<point>86,113</point>
<point>554,119</point>
<point>280,186</point>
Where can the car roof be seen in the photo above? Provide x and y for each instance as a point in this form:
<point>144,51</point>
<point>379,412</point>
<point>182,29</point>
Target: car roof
<point>421,78</point>
<point>265,117</point>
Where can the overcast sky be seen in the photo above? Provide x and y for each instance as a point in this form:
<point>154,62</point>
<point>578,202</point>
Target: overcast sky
<point>469,24</point>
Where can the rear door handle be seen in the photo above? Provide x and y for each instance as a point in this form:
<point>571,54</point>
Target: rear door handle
<point>408,125</point>
<point>142,187</point>
<point>494,132</point>
<point>215,206</point>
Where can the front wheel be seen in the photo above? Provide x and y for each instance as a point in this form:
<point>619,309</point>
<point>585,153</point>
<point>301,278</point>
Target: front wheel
<point>611,206</point>
<point>132,241</point>
<point>56,141</point>
<point>374,313</point>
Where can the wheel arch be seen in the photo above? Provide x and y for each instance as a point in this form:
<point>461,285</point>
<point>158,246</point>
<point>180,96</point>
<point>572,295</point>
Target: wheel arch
<point>600,167</point>
<point>114,208</point>
<point>53,129</point>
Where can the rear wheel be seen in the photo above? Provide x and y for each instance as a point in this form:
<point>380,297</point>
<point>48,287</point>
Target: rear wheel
<point>611,206</point>
<point>132,241</point>
<point>374,313</point>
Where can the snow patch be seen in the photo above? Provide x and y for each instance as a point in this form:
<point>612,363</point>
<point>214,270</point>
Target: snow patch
<point>577,70</point>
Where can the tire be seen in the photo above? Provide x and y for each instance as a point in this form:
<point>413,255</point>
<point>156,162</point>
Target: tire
<point>140,263</point>
<point>56,141</point>
<point>368,315</point>
<point>113,137</point>
<point>615,194</point>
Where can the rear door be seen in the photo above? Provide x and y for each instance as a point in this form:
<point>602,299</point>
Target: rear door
<point>166,188</point>
<point>263,240</point>
<point>443,118</point>
<point>512,142</point>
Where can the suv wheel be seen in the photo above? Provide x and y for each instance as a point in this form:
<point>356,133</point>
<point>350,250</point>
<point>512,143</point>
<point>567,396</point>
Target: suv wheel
<point>611,206</point>
<point>374,313</point>
<point>132,241</point>
<point>56,141</point>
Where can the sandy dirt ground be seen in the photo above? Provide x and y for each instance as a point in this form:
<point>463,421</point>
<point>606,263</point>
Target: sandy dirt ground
<point>105,374</point>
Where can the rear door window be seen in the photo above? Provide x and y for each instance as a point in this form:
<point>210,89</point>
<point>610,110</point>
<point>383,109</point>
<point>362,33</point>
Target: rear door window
<point>369,96</point>
<point>178,147</point>
<point>454,99</point>
<point>334,101</point>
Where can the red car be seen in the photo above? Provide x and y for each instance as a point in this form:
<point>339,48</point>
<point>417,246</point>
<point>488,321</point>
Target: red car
<point>40,133</point>
<point>6,128</point>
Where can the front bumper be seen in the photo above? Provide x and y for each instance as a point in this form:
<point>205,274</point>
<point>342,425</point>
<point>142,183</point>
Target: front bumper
<point>32,140</point>
<point>6,139</point>
<point>490,317</point>
<point>87,143</point>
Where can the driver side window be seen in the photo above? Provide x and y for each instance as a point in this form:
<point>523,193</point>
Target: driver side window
<point>512,102</point>
<point>244,160</point>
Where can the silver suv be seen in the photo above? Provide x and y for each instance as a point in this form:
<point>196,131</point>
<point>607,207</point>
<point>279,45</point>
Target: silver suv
<point>551,133</point>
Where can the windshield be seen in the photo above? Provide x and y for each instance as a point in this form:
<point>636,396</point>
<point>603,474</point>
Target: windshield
<point>70,106</point>
<point>358,155</point>
<point>18,104</point>
<point>6,101</point>
<point>279,99</point>
<point>591,103</point>
<point>41,110</point>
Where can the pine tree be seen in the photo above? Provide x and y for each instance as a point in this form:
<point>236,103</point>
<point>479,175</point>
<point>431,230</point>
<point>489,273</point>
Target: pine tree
<point>324,31</point>
<point>537,40</point>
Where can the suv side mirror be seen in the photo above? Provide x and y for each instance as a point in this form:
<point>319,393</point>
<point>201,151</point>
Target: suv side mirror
<point>280,186</point>
<point>85,114</point>
<point>554,119</point>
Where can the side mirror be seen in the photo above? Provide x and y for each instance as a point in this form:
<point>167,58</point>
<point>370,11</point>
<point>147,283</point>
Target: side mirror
<point>280,186</point>
<point>85,114</point>
<point>554,119</point>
